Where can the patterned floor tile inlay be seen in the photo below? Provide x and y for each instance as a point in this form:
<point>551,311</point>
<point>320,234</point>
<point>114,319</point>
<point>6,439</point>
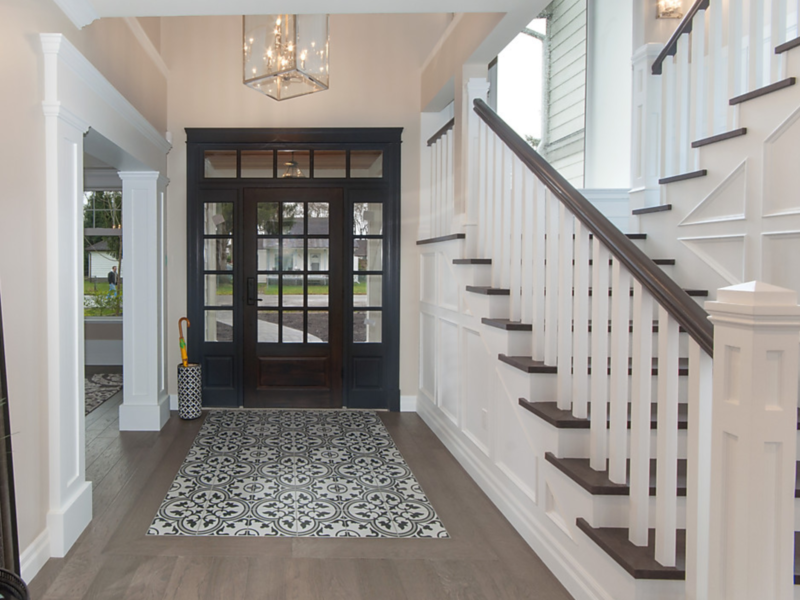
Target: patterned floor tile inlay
<point>296,474</point>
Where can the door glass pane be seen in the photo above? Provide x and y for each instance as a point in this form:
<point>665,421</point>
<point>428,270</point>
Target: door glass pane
<point>219,163</point>
<point>219,290</point>
<point>268,255</point>
<point>267,290</point>
<point>367,326</point>
<point>293,253</point>
<point>367,255</point>
<point>318,290</point>
<point>330,163</point>
<point>292,327</point>
<point>268,326</point>
<point>318,214</point>
<point>292,290</point>
<point>294,164</point>
<point>293,223</point>
<point>218,326</point>
<point>218,217</point>
<point>368,218</point>
<point>318,254</point>
<point>267,214</point>
<point>367,290</point>
<point>257,163</point>
<point>218,255</point>
<point>366,163</point>
<point>318,326</point>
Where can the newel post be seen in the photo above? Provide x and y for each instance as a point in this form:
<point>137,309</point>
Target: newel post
<point>754,438</point>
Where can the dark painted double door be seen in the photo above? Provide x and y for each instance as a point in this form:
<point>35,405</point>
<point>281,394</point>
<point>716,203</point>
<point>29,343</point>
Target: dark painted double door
<point>293,313</point>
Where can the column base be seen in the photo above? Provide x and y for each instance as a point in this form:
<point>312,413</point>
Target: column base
<point>144,417</point>
<point>65,525</point>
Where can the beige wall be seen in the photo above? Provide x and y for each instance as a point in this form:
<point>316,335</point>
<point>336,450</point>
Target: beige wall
<point>375,82</point>
<point>112,48</point>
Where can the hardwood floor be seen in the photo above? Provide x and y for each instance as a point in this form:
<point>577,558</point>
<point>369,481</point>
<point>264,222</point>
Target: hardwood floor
<point>485,559</point>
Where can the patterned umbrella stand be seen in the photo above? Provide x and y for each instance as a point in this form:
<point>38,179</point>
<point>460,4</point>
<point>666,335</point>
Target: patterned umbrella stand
<point>190,391</point>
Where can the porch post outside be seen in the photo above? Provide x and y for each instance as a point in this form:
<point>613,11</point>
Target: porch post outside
<point>753,445</point>
<point>145,404</point>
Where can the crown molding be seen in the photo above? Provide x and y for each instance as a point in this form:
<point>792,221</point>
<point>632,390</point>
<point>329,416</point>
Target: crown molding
<point>80,12</point>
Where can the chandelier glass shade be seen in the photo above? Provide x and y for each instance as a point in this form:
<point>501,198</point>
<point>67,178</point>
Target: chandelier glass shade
<point>286,55</point>
<point>669,9</point>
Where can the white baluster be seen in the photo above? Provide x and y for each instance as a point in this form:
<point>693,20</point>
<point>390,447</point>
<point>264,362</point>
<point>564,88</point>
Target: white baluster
<point>551,280</point>
<point>580,323</point>
<point>618,394</point>
<point>483,168</point>
<point>508,206</point>
<point>669,127</point>
<point>699,83</point>
<point>528,267</point>
<point>734,56</point>
<point>685,93</point>
<point>451,196</point>
<point>717,74</point>
<point>667,454</point>
<point>499,233</point>
<point>540,271</point>
<point>598,449</point>
<point>777,35</point>
<point>565,285</point>
<point>641,400</point>
<point>517,221</point>
<point>698,472</point>
<point>439,187</point>
<point>755,51</point>
<point>491,154</point>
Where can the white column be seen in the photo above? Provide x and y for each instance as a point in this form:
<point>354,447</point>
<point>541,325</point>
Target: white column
<point>70,494</point>
<point>645,129</point>
<point>753,444</point>
<point>145,404</point>
<point>476,87</point>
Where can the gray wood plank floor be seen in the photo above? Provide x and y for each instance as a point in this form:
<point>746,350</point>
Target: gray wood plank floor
<point>485,559</point>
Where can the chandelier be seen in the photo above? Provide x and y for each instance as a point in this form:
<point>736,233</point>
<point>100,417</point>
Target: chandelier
<point>286,55</point>
<point>669,9</point>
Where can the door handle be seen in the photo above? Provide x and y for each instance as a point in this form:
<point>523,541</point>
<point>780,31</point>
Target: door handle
<point>251,291</point>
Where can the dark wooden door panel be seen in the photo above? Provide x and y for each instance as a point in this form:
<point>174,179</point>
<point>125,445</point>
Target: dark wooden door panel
<point>290,374</point>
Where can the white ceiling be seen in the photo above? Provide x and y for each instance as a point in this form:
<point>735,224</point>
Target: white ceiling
<point>165,8</point>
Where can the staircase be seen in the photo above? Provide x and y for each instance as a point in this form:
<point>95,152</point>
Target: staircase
<point>610,473</point>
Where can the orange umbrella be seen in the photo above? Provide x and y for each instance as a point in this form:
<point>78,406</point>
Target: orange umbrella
<point>184,356</point>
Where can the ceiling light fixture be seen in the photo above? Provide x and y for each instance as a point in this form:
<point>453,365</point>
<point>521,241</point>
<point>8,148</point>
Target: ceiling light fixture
<point>286,55</point>
<point>669,9</point>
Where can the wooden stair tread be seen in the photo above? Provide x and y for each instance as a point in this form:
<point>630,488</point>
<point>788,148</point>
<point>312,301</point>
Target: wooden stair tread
<point>786,46</point>
<point>528,365</point>
<point>763,91</point>
<point>488,290</point>
<point>639,562</point>
<point>442,238</point>
<point>564,419</point>
<point>472,261</point>
<point>720,137</point>
<point>507,324</point>
<point>664,261</point>
<point>682,177</point>
<point>597,483</point>
<point>652,209</point>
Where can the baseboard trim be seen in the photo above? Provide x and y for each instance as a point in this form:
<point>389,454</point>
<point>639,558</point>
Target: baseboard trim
<point>572,575</point>
<point>65,525</point>
<point>173,401</point>
<point>144,417</point>
<point>408,404</point>
<point>34,557</point>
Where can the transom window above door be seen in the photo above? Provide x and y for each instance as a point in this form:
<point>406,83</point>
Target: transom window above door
<point>293,164</point>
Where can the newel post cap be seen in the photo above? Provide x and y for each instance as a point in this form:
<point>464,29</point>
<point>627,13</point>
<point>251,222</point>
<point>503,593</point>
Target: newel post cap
<point>755,298</point>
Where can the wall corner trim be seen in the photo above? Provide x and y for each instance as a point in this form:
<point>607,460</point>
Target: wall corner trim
<point>80,12</point>
<point>34,557</point>
<point>146,43</point>
<point>69,56</point>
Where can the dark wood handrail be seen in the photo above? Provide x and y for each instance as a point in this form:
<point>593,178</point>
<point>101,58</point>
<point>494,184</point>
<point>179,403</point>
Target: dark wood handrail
<point>666,292</point>
<point>685,26</point>
<point>447,127</point>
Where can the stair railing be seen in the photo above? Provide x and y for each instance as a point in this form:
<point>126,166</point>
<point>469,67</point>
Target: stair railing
<point>440,207</point>
<point>719,52</point>
<point>552,248</point>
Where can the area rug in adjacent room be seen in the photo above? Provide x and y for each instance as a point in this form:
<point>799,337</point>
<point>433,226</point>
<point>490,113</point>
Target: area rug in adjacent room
<point>287,473</point>
<point>100,387</point>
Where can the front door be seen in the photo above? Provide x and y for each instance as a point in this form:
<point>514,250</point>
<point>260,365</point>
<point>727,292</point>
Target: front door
<point>293,317</point>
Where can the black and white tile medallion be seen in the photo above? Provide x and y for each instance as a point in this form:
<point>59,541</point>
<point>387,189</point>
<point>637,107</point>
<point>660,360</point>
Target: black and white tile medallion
<point>296,474</point>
